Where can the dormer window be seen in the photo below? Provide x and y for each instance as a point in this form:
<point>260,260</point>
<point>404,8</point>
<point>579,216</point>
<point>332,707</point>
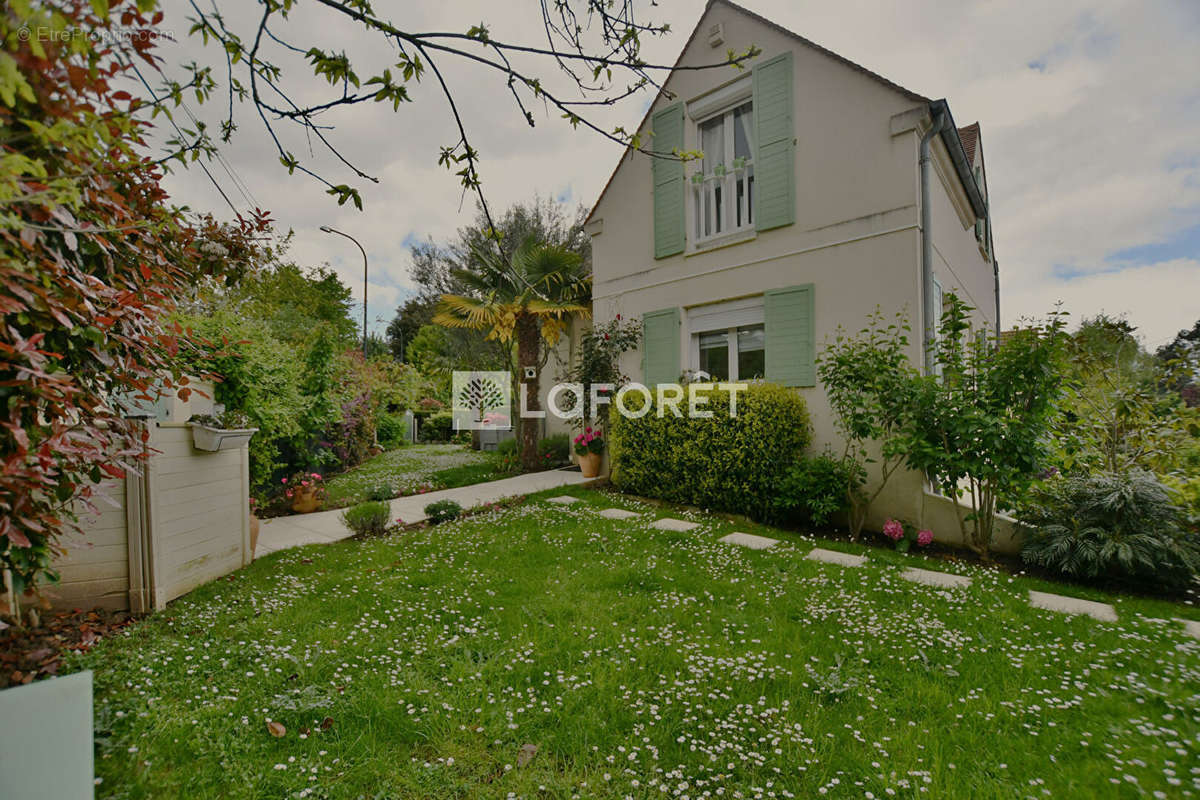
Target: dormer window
<point>722,188</point>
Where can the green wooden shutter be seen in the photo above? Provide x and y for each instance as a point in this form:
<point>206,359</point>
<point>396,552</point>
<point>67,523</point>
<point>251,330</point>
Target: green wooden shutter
<point>660,346</point>
<point>791,336</point>
<point>667,125</point>
<point>775,134</point>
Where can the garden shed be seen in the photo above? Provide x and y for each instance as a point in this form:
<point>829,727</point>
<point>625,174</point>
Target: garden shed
<point>158,534</point>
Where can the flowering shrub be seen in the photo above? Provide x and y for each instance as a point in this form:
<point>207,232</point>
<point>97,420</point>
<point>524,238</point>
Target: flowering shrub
<point>590,441</point>
<point>905,534</point>
<point>93,260</point>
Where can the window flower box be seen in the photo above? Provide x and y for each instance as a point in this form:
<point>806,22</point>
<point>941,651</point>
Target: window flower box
<point>227,432</point>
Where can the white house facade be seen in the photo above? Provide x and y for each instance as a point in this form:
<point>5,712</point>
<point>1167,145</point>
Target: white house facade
<point>824,191</point>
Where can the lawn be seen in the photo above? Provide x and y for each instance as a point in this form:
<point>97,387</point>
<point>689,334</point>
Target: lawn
<point>407,470</point>
<point>639,663</point>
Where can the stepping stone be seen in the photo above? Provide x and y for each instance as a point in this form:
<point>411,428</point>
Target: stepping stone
<point>1072,605</point>
<point>835,557</point>
<point>617,513</point>
<point>563,499</point>
<point>943,580</point>
<point>749,540</point>
<point>678,525</point>
<point>1191,626</point>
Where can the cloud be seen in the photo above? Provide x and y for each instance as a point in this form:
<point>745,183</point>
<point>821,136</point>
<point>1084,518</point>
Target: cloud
<point>1090,113</point>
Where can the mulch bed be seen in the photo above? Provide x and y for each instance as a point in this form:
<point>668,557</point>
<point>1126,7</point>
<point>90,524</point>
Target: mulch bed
<point>31,653</point>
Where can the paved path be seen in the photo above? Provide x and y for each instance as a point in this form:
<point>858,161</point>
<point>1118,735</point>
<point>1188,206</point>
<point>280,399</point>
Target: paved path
<point>323,527</point>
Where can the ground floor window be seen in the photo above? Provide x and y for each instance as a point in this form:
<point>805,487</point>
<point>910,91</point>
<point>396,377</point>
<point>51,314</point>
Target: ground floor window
<point>733,354</point>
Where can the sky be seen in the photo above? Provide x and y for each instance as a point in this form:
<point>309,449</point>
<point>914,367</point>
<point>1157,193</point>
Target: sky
<point>1090,115</point>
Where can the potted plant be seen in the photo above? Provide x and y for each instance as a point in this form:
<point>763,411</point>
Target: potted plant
<point>306,490</point>
<point>226,431</point>
<point>589,446</point>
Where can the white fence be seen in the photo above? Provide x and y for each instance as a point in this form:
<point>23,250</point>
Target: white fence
<point>180,523</point>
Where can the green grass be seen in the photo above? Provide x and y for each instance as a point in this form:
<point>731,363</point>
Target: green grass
<point>633,658</point>
<point>407,469</point>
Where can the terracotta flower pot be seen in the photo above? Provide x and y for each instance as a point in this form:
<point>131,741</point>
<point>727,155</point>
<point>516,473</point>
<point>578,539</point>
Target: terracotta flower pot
<point>305,499</point>
<point>254,522</point>
<point>589,464</point>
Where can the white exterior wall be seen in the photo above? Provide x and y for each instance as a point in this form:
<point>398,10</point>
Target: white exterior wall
<point>95,568</point>
<point>856,235</point>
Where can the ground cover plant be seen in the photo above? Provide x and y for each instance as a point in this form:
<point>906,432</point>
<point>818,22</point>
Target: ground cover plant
<point>411,470</point>
<point>544,651</point>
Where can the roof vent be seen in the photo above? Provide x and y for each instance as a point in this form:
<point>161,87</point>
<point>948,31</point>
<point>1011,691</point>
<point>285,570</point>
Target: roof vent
<point>716,35</point>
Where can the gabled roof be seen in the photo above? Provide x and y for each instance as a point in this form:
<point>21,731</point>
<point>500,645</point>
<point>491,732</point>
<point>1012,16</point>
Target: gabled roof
<point>950,136</point>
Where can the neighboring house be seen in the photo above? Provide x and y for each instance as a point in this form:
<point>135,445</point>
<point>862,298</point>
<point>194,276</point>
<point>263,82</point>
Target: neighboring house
<point>805,213</point>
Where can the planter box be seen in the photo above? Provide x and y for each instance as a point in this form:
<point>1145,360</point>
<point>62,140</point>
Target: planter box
<point>214,439</point>
<point>46,740</point>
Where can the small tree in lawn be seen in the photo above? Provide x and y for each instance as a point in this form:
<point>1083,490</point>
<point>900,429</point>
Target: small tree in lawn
<point>979,428</point>
<point>870,385</point>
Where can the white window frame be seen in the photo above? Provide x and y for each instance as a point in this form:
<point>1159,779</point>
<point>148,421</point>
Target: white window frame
<point>725,317</point>
<point>721,103</point>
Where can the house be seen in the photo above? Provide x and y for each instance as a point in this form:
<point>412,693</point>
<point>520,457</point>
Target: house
<point>824,190</point>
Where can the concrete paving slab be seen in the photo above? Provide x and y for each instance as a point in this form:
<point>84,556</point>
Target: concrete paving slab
<point>1072,605</point>
<point>749,540</point>
<point>563,499</point>
<point>670,524</point>
<point>835,557</point>
<point>943,580</point>
<point>1191,626</point>
<point>617,513</point>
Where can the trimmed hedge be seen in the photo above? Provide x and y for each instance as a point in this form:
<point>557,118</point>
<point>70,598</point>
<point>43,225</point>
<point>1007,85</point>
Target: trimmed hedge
<point>721,463</point>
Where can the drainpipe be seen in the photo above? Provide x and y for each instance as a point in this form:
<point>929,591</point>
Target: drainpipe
<point>996,277</point>
<point>929,317</point>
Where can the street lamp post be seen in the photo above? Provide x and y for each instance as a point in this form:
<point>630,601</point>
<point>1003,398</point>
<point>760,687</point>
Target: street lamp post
<point>328,229</point>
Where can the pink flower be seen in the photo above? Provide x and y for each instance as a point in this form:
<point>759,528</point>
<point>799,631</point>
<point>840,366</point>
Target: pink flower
<point>284,480</point>
<point>893,529</point>
<point>316,476</point>
<point>924,537</point>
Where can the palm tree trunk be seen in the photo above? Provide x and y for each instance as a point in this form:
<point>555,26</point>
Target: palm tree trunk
<point>529,339</point>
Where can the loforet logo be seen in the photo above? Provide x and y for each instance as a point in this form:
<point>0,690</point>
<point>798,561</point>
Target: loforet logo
<point>482,400</point>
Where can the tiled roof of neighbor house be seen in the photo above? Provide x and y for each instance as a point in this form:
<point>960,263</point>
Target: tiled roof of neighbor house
<point>969,136</point>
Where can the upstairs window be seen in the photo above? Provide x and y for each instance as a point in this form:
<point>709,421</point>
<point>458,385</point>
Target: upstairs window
<point>723,187</point>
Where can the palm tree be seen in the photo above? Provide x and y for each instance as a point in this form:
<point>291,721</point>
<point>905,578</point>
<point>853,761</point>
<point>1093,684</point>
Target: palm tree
<point>525,299</point>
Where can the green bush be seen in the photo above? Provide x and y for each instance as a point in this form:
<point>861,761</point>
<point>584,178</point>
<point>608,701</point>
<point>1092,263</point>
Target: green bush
<point>814,489</point>
<point>443,511</point>
<point>368,518</point>
<point>437,427</point>
<point>381,491</point>
<point>1119,526</point>
<point>509,460</point>
<point>722,463</point>
<point>555,450</point>
<point>392,430</point>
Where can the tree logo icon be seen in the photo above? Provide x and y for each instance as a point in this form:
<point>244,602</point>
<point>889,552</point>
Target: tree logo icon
<point>481,400</point>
